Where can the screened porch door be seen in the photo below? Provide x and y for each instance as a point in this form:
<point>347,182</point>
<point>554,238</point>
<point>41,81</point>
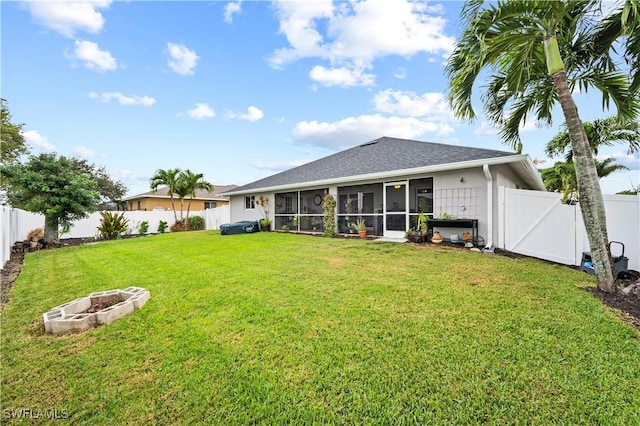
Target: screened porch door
<point>395,209</point>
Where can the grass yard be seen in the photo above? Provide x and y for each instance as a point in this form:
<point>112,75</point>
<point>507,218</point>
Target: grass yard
<point>275,328</point>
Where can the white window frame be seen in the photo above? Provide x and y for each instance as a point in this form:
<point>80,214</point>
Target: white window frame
<point>250,200</point>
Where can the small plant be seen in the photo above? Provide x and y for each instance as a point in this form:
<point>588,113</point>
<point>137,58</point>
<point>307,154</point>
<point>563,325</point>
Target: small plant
<point>423,225</point>
<point>143,228</point>
<point>162,226</point>
<point>196,223</point>
<point>285,228</point>
<point>296,222</point>
<point>447,216</point>
<point>265,224</point>
<point>112,225</point>
<point>410,234</point>
<point>359,225</point>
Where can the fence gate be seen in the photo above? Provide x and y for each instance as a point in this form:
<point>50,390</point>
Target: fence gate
<point>538,224</point>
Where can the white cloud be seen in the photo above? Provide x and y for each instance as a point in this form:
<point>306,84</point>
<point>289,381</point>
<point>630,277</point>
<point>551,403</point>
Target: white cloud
<point>359,32</point>
<point>486,129</point>
<point>401,73</point>
<point>182,60</point>
<point>123,99</point>
<point>37,141</point>
<point>253,114</point>
<point>343,77</point>
<point>201,111</point>
<point>68,17</point>
<point>410,104</point>
<point>353,130</point>
<point>632,161</point>
<point>230,10</point>
<point>278,165</point>
<point>93,58</point>
<point>84,152</point>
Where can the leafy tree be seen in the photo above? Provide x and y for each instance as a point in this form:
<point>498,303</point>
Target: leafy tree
<point>12,142</point>
<point>562,176</point>
<point>168,178</point>
<point>51,185</point>
<point>110,190</point>
<point>601,132</point>
<point>538,52</point>
<point>188,184</point>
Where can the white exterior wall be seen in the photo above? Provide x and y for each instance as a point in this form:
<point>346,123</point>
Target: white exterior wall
<point>239,213</point>
<point>446,185</point>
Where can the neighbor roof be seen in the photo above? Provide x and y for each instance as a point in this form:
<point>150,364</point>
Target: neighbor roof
<point>377,156</point>
<point>163,192</point>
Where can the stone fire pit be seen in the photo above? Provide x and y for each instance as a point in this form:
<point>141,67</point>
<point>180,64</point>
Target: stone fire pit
<point>98,308</point>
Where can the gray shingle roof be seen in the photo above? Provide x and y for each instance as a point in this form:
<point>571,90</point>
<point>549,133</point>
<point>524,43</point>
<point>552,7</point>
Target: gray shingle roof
<point>380,155</point>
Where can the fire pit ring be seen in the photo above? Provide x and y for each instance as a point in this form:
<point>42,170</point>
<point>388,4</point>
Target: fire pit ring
<point>102,307</point>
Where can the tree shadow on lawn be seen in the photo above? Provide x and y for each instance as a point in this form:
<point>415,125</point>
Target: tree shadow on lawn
<point>628,305</point>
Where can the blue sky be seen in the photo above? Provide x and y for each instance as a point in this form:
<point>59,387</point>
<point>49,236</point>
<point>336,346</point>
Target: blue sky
<point>240,90</point>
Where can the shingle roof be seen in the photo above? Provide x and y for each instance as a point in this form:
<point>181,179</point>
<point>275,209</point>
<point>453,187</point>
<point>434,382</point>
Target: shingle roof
<point>163,192</point>
<point>380,155</point>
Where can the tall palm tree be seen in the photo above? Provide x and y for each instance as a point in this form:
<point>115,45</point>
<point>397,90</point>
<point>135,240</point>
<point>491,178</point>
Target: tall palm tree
<point>600,132</point>
<point>168,178</point>
<point>538,52</point>
<point>188,184</point>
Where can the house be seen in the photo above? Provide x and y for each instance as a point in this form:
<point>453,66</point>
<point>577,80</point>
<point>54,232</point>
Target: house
<point>387,182</point>
<point>160,200</point>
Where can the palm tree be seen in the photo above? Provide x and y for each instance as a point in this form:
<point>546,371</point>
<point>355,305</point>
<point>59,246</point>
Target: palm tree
<point>168,178</point>
<point>538,52</point>
<point>600,132</point>
<point>188,184</point>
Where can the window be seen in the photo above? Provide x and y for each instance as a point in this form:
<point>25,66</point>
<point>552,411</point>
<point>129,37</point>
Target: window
<point>250,202</point>
<point>210,205</point>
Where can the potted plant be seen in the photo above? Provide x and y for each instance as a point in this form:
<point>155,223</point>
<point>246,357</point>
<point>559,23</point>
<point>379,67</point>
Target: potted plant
<point>423,228</point>
<point>437,238</point>
<point>265,224</point>
<point>412,235</point>
<point>360,226</point>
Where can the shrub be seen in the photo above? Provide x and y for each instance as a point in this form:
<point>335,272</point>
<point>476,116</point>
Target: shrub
<point>112,225</point>
<point>196,223</point>
<point>179,226</point>
<point>35,234</point>
<point>329,207</point>
<point>162,226</point>
<point>143,228</point>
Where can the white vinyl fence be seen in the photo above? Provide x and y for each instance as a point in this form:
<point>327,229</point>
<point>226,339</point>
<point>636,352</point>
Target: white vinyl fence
<point>16,224</point>
<point>538,224</point>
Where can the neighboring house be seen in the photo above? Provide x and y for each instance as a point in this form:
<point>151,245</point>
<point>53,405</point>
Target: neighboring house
<point>387,182</point>
<point>159,200</point>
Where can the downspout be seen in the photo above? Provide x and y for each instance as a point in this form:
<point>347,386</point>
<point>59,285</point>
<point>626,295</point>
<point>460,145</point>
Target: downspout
<point>487,174</point>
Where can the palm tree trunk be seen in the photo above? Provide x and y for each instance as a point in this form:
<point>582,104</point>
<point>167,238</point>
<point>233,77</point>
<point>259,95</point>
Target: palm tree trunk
<point>591,201</point>
<point>173,207</point>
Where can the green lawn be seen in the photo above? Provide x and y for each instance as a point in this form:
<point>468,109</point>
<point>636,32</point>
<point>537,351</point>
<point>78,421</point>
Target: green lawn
<point>275,328</point>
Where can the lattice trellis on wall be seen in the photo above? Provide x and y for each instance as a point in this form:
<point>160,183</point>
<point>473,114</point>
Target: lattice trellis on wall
<point>462,203</point>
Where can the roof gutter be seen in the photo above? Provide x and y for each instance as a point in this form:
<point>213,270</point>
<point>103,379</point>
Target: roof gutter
<point>392,174</point>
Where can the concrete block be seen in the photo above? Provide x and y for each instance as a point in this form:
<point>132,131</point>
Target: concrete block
<point>112,313</point>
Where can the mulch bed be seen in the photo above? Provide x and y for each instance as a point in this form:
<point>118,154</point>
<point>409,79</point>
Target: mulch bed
<point>629,306</point>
